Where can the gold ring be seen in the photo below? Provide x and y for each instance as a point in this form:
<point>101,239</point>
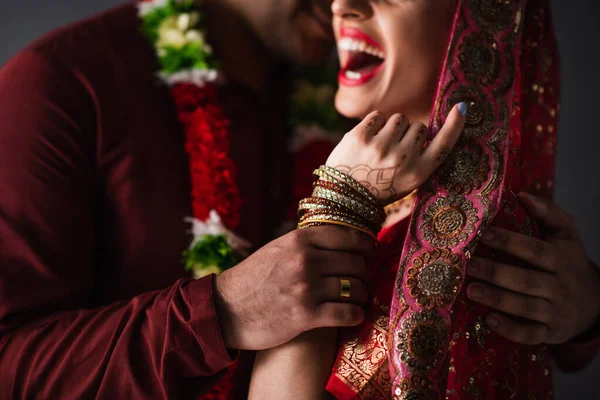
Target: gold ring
<point>345,288</point>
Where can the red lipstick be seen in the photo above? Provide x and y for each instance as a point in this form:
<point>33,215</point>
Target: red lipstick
<point>365,57</point>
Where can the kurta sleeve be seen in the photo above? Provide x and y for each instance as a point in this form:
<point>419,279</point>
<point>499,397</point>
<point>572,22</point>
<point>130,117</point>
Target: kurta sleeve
<point>52,343</point>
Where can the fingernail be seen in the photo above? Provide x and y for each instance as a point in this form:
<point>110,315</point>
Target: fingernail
<point>493,321</point>
<point>475,292</point>
<point>463,108</point>
<point>487,235</point>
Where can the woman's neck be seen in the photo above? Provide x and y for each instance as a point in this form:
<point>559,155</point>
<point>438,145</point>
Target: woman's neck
<point>244,58</point>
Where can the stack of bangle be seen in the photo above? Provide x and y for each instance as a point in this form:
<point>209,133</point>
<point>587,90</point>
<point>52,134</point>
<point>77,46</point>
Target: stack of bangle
<point>338,199</point>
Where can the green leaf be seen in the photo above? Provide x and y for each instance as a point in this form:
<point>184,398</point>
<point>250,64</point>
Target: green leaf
<point>210,251</point>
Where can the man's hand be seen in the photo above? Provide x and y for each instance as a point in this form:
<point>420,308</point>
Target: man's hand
<point>293,285</point>
<point>560,300</point>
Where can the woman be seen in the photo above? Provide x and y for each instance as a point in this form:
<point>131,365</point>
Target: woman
<point>436,328</point>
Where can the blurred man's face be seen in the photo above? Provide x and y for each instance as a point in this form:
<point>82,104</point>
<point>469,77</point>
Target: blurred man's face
<point>297,30</point>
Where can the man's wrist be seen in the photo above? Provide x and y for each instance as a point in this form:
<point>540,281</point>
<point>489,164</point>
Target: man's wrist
<point>223,313</point>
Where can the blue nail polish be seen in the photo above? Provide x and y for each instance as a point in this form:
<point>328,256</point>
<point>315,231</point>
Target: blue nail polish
<point>462,108</point>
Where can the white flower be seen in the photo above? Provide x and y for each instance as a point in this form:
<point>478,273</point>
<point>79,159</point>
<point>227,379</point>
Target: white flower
<point>198,77</point>
<point>175,31</point>
<point>194,35</point>
<point>183,22</point>
<point>169,34</point>
<point>187,21</point>
<point>146,7</point>
<point>213,226</point>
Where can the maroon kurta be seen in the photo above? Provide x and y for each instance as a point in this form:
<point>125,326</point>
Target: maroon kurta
<point>95,187</point>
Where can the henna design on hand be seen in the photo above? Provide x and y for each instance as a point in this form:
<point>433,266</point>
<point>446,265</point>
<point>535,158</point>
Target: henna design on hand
<point>379,181</point>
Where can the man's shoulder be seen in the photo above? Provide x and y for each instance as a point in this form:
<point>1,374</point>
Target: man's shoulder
<point>95,62</point>
<point>98,55</point>
<point>91,34</point>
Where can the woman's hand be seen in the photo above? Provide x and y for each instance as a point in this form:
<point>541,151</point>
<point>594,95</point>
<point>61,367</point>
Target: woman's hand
<point>560,300</point>
<point>388,158</point>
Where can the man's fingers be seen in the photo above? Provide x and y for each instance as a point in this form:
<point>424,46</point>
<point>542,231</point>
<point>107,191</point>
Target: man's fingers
<point>529,307</point>
<point>330,290</point>
<point>516,279</point>
<point>549,215</point>
<point>337,263</point>
<point>534,251</point>
<point>331,315</point>
<point>528,333</point>
<point>330,237</point>
<point>443,143</point>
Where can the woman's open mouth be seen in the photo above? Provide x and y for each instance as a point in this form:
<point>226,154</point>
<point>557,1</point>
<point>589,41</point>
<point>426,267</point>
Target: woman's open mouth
<point>363,57</point>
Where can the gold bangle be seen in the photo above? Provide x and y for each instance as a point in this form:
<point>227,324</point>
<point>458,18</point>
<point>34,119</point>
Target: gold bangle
<point>349,180</point>
<point>303,224</point>
<point>340,215</point>
<point>361,197</point>
<point>352,206</point>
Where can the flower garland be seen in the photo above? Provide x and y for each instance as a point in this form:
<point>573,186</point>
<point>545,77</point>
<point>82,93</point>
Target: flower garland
<point>175,27</point>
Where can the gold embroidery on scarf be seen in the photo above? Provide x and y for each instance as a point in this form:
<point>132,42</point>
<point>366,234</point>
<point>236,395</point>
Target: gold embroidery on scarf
<point>434,277</point>
<point>481,331</point>
<point>465,169</point>
<point>423,340</point>
<point>498,161</point>
<point>480,115</point>
<point>414,388</point>
<point>493,15</point>
<point>420,339</point>
<point>449,221</point>
<point>479,58</point>
<point>364,364</point>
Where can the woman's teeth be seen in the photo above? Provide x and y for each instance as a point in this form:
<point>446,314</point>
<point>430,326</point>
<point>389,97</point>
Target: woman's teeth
<point>353,75</point>
<point>357,45</point>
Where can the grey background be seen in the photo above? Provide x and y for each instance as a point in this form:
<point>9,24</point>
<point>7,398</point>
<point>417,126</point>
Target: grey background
<point>577,185</point>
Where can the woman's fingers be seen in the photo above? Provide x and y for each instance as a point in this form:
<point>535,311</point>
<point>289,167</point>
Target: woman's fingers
<point>413,140</point>
<point>443,143</point>
<point>392,132</point>
<point>369,126</point>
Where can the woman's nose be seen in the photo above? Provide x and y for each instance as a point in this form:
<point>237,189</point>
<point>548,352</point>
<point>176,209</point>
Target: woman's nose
<point>352,9</point>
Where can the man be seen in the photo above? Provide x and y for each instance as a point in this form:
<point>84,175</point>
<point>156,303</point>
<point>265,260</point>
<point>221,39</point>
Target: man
<point>95,186</point>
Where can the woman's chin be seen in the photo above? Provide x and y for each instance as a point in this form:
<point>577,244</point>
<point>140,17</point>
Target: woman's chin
<point>352,106</point>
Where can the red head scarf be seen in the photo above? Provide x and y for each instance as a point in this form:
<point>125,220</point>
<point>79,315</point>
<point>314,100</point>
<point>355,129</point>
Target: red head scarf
<point>423,338</point>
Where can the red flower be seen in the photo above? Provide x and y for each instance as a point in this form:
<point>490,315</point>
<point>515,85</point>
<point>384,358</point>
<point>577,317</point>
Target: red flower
<point>188,96</point>
<point>212,172</point>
